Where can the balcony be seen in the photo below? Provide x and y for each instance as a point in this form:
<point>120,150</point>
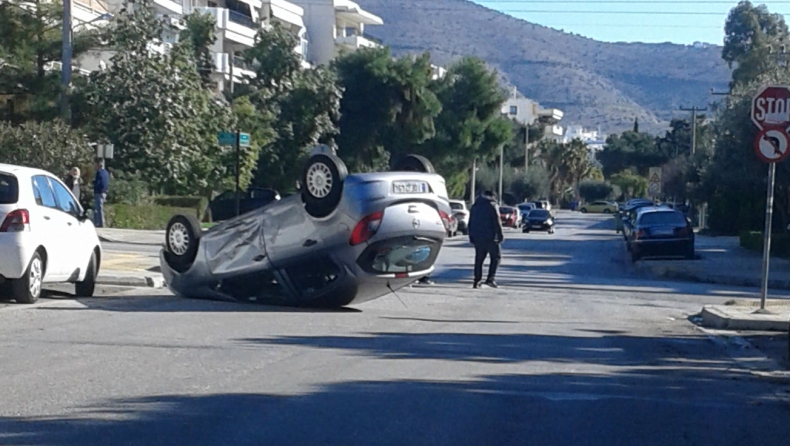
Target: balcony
<point>159,47</point>
<point>355,42</point>
<point>169,6</point>
<point>240,68</point>
<point>84,11</point>
<point>233,25</point>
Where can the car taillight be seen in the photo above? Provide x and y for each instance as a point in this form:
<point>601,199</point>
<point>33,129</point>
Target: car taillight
<point>366,228</point>
<point>445,219</point>
<point>683,231</point>
<point>16,221</point>
<point>640,233</point>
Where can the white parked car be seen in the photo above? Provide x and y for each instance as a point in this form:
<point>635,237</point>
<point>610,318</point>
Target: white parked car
<point>45,236</point>
<point>461,213</point>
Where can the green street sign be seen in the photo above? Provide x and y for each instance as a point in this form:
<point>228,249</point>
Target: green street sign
<point>244,139</point>
<point>226,138</point>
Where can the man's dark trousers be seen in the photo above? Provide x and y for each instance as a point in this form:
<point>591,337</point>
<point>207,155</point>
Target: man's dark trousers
<point>483,249</point>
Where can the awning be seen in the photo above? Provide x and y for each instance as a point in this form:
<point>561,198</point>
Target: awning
<point>287,16</point>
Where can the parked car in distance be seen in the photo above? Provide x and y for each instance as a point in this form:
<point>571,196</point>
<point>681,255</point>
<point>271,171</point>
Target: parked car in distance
<point>523,210</point>
<point>543,204</point>
<point>223,207</point>
<point>538,220</point>
<point>461,213</point>
<point>452,226</point>
<point>661,232</point>
<point>509,216</point>
<point>599,207</point>
<point>45,236</point>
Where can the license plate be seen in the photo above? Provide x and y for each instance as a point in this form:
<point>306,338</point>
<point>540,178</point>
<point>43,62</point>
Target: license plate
<point>663,232</point>
<point>410,187</point>
<point>537,225</point>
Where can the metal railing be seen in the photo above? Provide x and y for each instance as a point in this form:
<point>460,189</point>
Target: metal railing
<point>241,19</point>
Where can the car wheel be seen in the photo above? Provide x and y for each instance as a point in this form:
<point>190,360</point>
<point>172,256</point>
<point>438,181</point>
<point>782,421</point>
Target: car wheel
<point>27,289</point>
<point>322,184</point>
<point>88,286</point>
<point>607,211</point>
<point>182,238</point>
<point>525,230</point>
<point>551,231</point>
<point>583,210</point>
<point>690,254</point>
<point>414,163</point>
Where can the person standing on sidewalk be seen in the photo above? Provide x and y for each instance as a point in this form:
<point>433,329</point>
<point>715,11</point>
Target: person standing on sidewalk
<point>101,185</point>
<point>485,233</point>
<point>74,182</point>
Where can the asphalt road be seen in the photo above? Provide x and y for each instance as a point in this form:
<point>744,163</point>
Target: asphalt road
<point>573,349</point>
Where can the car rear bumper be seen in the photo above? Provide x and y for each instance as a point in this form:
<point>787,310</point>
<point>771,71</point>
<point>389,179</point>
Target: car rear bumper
<point>666,247</point>
<point>16,254</point>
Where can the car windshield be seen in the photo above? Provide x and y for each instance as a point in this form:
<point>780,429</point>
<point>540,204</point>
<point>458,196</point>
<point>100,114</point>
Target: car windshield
<point>506,210</point>
<point>662,218</point>
<point>456,206</point>
<point>401,255</point>
<point>9,189</point>
<point>538,214</point>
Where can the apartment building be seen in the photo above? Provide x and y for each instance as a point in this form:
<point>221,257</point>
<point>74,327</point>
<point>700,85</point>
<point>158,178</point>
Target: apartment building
<point>527,111</point>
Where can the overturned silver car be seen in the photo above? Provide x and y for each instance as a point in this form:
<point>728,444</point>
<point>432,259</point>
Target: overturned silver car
<point>345,239</point>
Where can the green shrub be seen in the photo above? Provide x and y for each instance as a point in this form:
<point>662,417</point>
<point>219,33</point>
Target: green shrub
<point>753,241</point>
<point>594,190</point>
<point>127,216</point>
<point>52,146</point>
<point>199,204</point>
<point>127,189</point>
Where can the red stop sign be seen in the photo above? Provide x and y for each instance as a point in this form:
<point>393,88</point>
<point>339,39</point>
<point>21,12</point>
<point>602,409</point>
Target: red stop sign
<point>771,107</point>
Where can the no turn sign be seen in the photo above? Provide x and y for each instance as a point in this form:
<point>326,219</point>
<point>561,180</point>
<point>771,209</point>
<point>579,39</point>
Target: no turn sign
<point>771,114</point>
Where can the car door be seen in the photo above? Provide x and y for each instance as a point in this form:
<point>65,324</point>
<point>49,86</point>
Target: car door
<point>78,242</point>
<point>49,227</point>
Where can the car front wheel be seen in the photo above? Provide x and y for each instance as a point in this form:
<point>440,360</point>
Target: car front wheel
<point>583,210</point>
<point>182,238</point>
<point>87,287</point>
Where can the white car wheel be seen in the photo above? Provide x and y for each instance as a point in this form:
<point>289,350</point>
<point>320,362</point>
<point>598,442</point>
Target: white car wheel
<point>178,236</point>
<point>27,289</point>
<point>319,180</point>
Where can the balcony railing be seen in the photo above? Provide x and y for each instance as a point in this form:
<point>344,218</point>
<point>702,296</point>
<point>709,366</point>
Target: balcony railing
<point>241,19</point>
<point>238,62</point>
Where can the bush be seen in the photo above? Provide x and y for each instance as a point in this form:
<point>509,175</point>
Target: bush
<point>127,216</point>
<point>199,204</point>
<point>127,189</point>
<point>753,241</point>
<point>594,190</point>
<point>51,146</point>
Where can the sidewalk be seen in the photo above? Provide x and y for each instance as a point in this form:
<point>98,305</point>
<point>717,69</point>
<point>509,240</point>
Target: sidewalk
<point>721,261</point>
<point>130,269</point>
<point>131,236</point>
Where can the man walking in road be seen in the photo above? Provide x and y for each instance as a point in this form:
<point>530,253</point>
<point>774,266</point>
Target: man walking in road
<point>485,233</point>
<point>101,185</point>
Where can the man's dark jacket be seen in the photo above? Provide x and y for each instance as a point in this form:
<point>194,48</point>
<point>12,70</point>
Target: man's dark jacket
<point>484,223</point>
<point>101,184</point>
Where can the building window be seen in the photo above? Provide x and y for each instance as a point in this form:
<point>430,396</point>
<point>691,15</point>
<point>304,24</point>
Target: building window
<point>513,110</point>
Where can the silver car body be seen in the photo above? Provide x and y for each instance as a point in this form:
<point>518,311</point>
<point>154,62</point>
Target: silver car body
<point>279,254</point>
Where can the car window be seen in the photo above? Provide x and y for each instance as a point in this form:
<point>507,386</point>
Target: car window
<point>538,214</point>
<point>662,218</point>
<point>43,192</point>
<point>456,206</point>
<point>66,202</point>
<point>9,189</point>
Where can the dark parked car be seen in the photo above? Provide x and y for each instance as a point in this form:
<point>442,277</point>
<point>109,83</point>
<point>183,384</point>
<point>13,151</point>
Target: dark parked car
<point>223,207</point>
<point>538,220</point>
<point>661,232</point>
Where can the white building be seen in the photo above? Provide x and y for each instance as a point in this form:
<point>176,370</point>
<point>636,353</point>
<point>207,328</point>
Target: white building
<point>593,139</point>
<point>335,26</point>
<point>526,111</point>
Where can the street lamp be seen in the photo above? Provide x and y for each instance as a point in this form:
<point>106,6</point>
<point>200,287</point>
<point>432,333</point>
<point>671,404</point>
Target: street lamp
<point>65,61</point>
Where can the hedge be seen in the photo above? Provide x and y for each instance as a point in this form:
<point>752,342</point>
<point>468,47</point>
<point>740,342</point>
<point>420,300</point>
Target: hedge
<point>199,204</point>
<point>753,241</point>
<point>127,216</point>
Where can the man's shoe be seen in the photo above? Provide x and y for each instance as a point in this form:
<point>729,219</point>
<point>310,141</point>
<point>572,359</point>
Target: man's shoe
<point>425,281</point>
<point>476,284</point>
<point>492,284</point>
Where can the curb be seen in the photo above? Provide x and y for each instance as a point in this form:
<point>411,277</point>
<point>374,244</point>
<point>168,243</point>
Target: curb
<point>132,281</point>
<point>111,240</point>
<point>715,318</point>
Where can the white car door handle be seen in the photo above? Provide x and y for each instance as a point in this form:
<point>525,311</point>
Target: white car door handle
<point>46,217</point>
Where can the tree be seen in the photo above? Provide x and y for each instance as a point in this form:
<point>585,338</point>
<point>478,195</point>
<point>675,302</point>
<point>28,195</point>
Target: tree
<point>533,184</point>
<point>630,150</point>
<point>751,33</point>
<point>51,146</point>
<point>594,190</point>
<point>631,185</point>
<point>155,110</point>
<point>200,34</point>
<point>296,109</point>
<point>30,41</point>
<point>636,125</point>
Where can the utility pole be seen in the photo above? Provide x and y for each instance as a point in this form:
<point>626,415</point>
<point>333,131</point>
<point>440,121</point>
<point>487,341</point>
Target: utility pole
<point>65,62</point>
<point>694,111</point>
<point>472,195</point>
<point>526,149</point>
<point>238,143</point>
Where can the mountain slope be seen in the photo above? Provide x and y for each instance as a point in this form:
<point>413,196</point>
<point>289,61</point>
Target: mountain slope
<point>594,83</point>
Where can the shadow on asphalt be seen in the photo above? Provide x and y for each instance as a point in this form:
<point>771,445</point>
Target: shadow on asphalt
<point>659,391</point>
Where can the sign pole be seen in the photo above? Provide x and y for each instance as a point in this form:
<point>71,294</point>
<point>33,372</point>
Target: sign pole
<point>238,193</point>
<point>769,213</point>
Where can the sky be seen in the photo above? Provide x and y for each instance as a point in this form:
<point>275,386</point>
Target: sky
<point>653,21</point>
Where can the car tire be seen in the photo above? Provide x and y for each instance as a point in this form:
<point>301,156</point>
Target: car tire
<point>583,210</point>
<point>607,211</point>
<point>551,231</point>
<point>87,287</point>
<point>27,289</point>
<point>525,230</point>
<point>322,184</point>
<point>413,163</point>
<point>690,254</point>
<point>182,239</point>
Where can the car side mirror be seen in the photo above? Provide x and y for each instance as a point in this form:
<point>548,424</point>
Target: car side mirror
<point>83,216</point>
